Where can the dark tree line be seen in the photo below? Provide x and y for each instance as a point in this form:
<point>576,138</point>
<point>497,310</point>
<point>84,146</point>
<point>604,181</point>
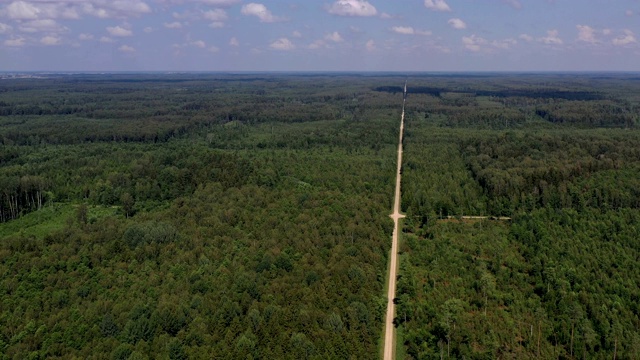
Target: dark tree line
<point>21,195</point>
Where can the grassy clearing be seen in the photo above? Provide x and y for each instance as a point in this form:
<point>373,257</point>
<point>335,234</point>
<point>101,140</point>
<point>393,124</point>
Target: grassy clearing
<point>49,219</point>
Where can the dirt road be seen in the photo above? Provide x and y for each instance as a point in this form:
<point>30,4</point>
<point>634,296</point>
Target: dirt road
<point>389,343</point>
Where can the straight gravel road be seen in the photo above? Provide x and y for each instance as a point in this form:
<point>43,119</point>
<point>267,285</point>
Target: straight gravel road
<point>389,343</point>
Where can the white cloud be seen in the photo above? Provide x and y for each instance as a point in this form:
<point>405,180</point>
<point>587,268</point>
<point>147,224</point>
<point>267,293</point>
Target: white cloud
<point>607,31</point>
<point>352,8</point>
<point>437,5</point>
<point>101,13</point>
<point>586,34</point>
<point>215,15</point>
<point>370,45</point>
<point>148,30</point>
<point>119,31</point>
<point>69,13</point>
<point>282,44</point>
<point>551,38</point>
<point>216,25</point>
<point>405,30</point>
<point>21,10</point>
<point>526,37</point>
<point>317,44</point>
<point>260,11</point>
<point>127,49</point>
<point>504,44</point>
<point>476,43</point>
<point>183,16</point>
<point>47,25</point>
<point>73,9</point>
<point>216,3</point>
<point>629,12</point>
<point>112,9</point>
<point>387,16</point>
<point>334,36</point>
<point>514,4</point>
<point>50,40</point>
<point>473,43</point>
<point>457,24</point>
<point>4,28</point>
<point>223,3</point>
<point>234,42</point>
<point>128,7</point>
<point>408,30</point>
<point>326,42</point>
<point>106,39</point>
<point>626,39</point>
<point>173,25</point>
<point>15,42</point>
<point>296,34</point>
<point>423,32</point>
<point>199,44</point>
<point>443,49</point>
<point>85,37</point>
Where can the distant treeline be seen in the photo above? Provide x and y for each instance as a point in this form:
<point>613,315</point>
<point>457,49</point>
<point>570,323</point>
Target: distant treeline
<point>534,93</point>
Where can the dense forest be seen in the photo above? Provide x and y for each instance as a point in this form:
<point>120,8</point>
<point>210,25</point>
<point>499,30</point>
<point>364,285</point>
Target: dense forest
<point>194,218</point>
<point>557,276</point>
<point>246,216</point>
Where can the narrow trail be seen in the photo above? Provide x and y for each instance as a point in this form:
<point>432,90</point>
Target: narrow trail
<point>501,218</point>
<point>389,342</point>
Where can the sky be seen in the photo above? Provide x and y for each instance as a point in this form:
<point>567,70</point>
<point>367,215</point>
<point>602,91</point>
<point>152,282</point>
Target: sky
<point>320,35</point>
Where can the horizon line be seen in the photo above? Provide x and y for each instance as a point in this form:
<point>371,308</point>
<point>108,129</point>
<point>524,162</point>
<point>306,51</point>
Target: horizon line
<point>168,72</point>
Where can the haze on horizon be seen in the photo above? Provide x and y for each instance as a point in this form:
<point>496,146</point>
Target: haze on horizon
<point>329,35</point>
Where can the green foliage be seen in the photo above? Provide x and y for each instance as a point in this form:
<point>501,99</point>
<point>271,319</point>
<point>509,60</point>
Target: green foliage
<point>551,278</point>
<point>160,233</point>
<point>122,352</point>
<point>176,350</point>
<point>547,283</point>
<point>242,225</point>
<point>108,327</point>
<point>523,171</point>
<point>246,216</point>
<point>436,181</point>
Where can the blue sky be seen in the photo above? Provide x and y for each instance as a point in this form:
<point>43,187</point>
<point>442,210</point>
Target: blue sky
<point>320,35</point>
